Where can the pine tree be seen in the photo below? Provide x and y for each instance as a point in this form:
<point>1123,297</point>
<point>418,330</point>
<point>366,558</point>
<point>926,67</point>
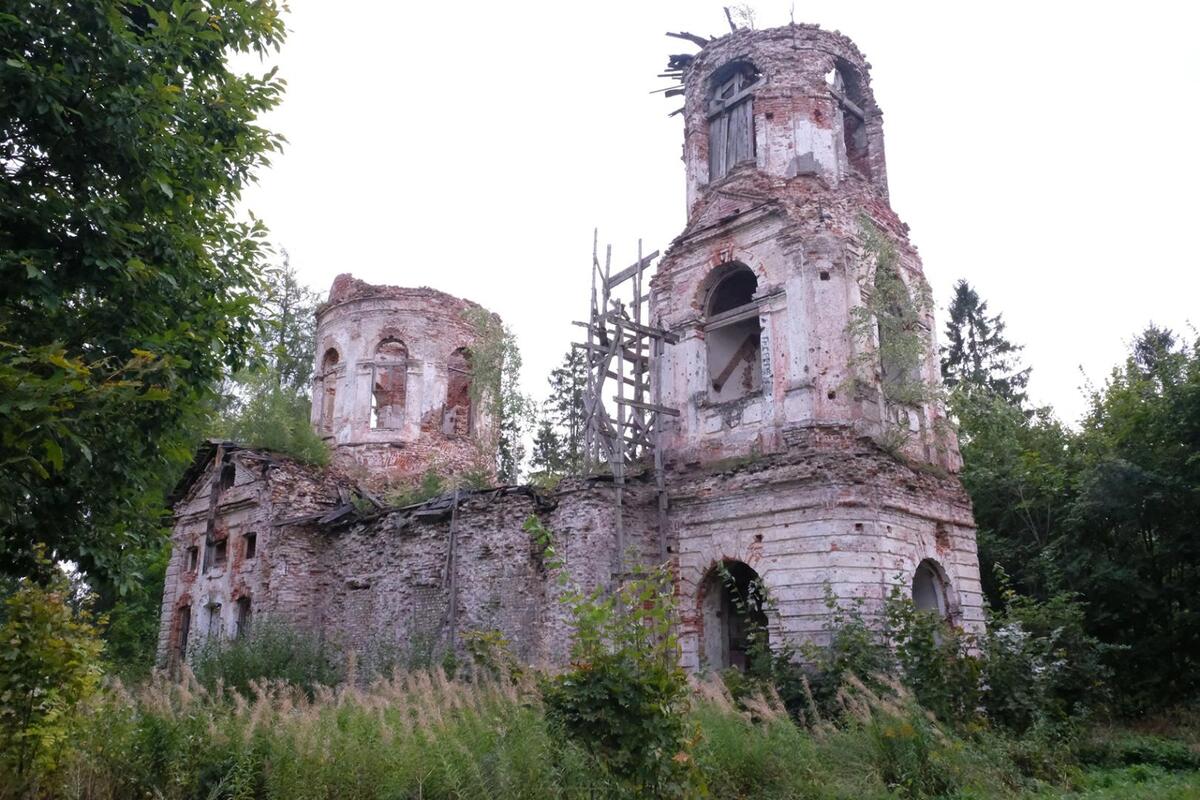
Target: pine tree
<point>548,455</point>
<point>564,408</point>
<point>976,353</point>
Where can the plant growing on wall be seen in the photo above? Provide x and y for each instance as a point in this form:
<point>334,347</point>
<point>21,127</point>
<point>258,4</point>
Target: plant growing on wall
<point>495,389</point>
<point>625,697</point>
<point>887,324</point>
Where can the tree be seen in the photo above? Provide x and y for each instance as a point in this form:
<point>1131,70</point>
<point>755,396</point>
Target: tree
<point>495,388</point>
<point>567,385</point>
<point>268,405</point>
<point>558,436</point>
<point>977,354</point>
<point>1020,470</point>
<point>1131,547</point>
<point>289,328</point>
<point>546,457</point>
<point>49,661</point>
<point>125,141</point>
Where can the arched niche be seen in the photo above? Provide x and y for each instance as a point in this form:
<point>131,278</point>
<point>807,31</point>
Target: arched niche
<point>457,416</point>
<point>732,335</point>
<point>731,606</point>
<point>328,377</point>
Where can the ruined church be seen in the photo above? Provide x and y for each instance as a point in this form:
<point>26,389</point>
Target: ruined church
<point>757,427</point>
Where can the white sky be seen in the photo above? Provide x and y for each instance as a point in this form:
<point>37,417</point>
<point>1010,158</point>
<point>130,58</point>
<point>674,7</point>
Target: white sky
<point>1041,150</point>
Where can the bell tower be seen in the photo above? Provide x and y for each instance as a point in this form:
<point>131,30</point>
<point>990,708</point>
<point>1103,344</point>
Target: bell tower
<point>811,449</point>
<point>774,285</point>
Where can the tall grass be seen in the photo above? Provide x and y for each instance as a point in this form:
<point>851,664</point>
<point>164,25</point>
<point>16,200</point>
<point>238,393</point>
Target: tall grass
<point>423,735</point>
<point>414,735</point>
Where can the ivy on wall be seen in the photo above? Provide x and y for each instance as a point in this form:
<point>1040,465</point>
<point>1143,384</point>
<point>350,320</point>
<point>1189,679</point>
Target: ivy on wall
<point>888,324</point>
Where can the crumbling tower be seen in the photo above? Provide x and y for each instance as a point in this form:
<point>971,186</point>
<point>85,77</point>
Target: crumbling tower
<point>392,386</point>
<point>806,366</point>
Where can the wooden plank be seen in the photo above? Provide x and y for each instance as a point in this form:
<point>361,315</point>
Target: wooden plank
<point>670,412</point>
<point>690,37</point>
<point>744,353</point>
<point>631,270</point>
<point>733,315</point>
<point>717,127</point>
<point>720,105</point>
<point>646,330</point>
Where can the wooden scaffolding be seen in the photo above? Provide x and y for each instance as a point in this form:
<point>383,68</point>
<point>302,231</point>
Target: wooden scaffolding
<point>622,398</point>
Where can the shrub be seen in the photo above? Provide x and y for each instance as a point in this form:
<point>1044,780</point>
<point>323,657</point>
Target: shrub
<point>276,419</point>
<point>856,649</point>
<point>430,486</point>
<point>625,696</point>
<point>268,651</point>
<point>49,661</point>
<point>1039,664</point>
<point>1127,749</point>
<point>935,659</point>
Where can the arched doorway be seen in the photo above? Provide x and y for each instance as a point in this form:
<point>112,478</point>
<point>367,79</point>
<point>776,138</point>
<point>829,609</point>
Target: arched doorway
<point>929,588</point>
<point>731,603</point>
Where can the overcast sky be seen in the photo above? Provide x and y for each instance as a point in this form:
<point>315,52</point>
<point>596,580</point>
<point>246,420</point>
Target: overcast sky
<point>1043,151</point>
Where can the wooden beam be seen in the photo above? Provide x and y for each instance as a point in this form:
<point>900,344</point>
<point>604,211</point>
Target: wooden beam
<point>739,314</point>
<point>631,270</point>
<point>690,37</point>
<point>646,330</point>
<point>670,412</point>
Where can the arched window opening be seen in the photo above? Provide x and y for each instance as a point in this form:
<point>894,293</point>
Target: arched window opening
<point>929,589</point>
<point>731,117</point>
<point>390,384</point>
<point>733,615</point>
<point>896,329</point>
<point>329,364</point>
<point>846,89</point>
<point>456,414</point>
<point>733,337</point>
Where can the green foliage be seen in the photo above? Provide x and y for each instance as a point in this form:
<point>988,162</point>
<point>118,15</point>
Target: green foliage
<point>1126,748</point>
<point>1130,545</point>
<point>1020,470</point>
<point>268,651</point>
<point>495,388</point>
<point>269,405</point>
<point>431,485</point>
<point>125,141</point>
<point>887,325</point>
<point>274,418</point>
<point>49,661</point>
<point>935,659</point>
<point>547,459</point>
<point>1040,664</point>
<point>857,648</point>
<point>287,333</point>
<point>558,438</point>
<point>132,621</point>
<point>625,696</point>
<point>415,735</point>
<point>910,754</point>
<point>977,354</point>
<point>1106,513</point>
<point>541,540</point>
